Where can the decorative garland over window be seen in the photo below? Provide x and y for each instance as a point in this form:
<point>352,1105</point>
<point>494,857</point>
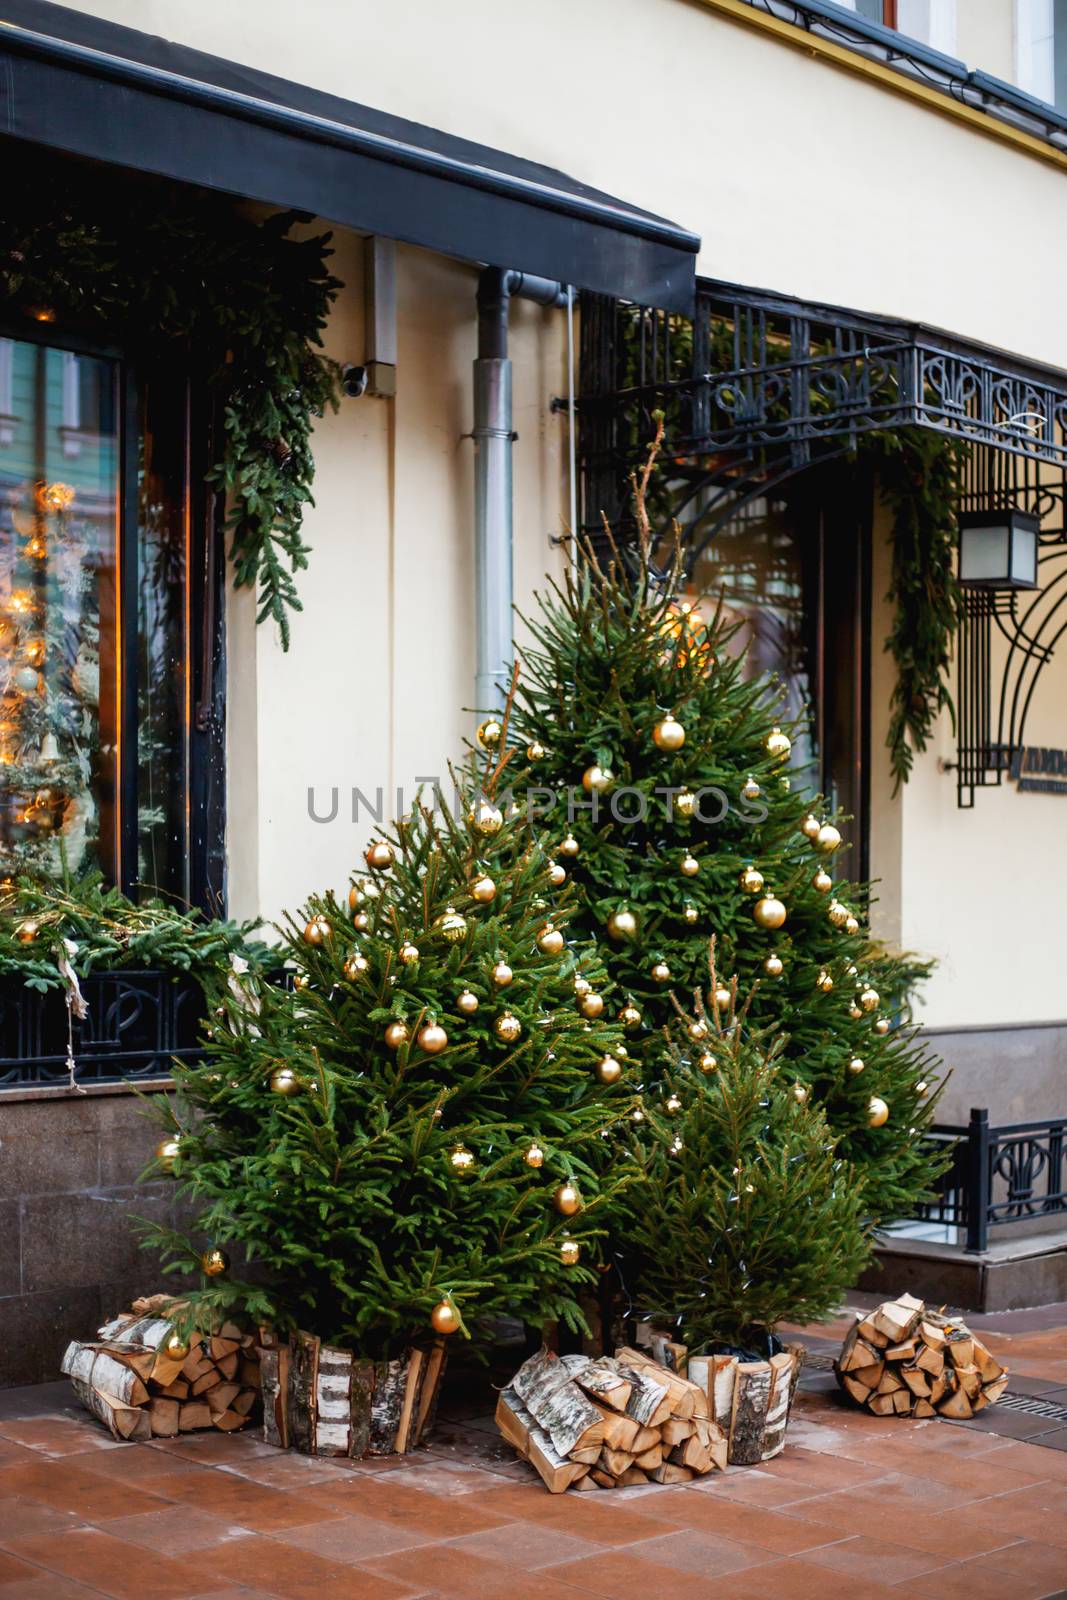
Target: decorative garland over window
<point>175,271</point>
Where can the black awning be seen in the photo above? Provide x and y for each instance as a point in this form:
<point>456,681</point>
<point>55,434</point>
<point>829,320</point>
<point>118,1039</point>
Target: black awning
<point>90,87</point>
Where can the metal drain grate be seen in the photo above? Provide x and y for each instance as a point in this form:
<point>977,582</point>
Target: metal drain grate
<point>1033,1407</point>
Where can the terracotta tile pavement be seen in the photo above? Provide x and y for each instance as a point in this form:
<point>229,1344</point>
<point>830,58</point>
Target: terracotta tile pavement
<point>855,1505</point>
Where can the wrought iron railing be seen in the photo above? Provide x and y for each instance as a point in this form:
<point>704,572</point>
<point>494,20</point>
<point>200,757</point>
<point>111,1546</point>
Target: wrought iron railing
<point>999,1176</point>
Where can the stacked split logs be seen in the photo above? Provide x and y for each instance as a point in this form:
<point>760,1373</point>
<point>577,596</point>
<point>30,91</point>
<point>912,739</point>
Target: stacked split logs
<point>904,1360</point>
<point>585,1423</point>
<point>141,1384</point>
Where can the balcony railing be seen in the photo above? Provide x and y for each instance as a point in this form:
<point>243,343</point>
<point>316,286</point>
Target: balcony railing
<point>1000,1176</point>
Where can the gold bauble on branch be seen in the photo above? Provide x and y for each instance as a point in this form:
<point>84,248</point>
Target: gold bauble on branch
<point>483,890</point>
<point>822,881</point>
<point>461,1158</point>
<point>852,925</point>
<point>668,734</point>
<point>451,925</point>
<point>773,965</point>
<point>922,1087</point>
<point>882,1025</point>
<point>854,1012</point>
<point>608,1070</point>
<point>557,875</point>
<point>824,981</point>
<point>689,866</point>
<point>697,1030</point>
<point>568,845</point>
<point>690,912</point>
<point>444,1318</point>
<point>550,940</point>
<point>661,972</point>
<point>567,1200</point>
<point>569,1251</point>
<point>591,1005</point>
<point>581,984</point>
<point>361,922</point>
<point>356,897</point>
<point>622,924</point>
<point>750,789</point>
<point>284,1081</point>
<point>630,1017</point>
<point>777,744</point>
<point>769,912</point>
<point>800,1093</point>
<point>467,1003</point>
<point>168,1151</point>
<point>175,1347</point>
<point>751,880</point>
<point>837,913</point>
<point>828,838</point>
<point>317,931</point>
<point>810,827</point>
<point>597,780</point>
<point>535,751</point>
<point>507,1027</point>
<point>485,818</point>
<point>355,966</point>
<point>533,1155</point>
<point>857,1065</point>
<point>490,733</point>
<point>877,1112</point>
<point>301,981</point>
<point>502,974</point>
<point>723,997</point>
<point>396,1035</point>
<point>672,1104</point>
<point>685,803</point>
<point>379,855</point>
<point>409,953</point>
<point>869,998</point>
<point>707,1062</point>
<point>432,1038</point>
<point>214,1262</point>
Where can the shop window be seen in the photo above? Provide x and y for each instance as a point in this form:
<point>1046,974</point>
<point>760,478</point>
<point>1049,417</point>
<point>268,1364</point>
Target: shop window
<point>931,22</point>
<point>99,751</point>
<point>1041,49</point>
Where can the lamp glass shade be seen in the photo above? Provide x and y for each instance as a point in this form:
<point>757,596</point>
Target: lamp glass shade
<point>998,550</point>
<point>1024,556</point>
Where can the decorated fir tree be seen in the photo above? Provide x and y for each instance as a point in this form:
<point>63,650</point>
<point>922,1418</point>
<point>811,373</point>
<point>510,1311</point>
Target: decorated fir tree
<point>748,1217</point>
<point>660,780</point>
<point>413,1135</point>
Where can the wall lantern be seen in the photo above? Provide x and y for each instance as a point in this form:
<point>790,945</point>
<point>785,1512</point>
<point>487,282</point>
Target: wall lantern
<point>998,550</point>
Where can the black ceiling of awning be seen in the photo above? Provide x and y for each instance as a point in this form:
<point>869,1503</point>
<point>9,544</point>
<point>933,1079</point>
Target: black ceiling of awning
<point>90,87</point>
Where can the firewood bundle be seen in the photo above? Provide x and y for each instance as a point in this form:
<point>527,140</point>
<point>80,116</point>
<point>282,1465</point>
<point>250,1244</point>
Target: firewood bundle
<point>607,1423</point>
<point>143,1382</point>
<point>903,1360</point>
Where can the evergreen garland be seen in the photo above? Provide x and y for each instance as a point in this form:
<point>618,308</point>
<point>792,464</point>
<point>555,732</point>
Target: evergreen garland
<point>186,274</point>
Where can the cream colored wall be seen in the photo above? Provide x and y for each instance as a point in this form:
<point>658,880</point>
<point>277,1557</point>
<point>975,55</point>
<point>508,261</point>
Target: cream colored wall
<point>382,657</point>
<point>985,36</point>
<point>800,176</point>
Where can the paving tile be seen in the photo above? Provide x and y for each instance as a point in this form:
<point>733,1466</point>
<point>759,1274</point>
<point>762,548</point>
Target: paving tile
<point>111,1566</point>
<point>92,1497</point>
<point>176,1530</point>
<point>821,1471</point>
<point>784,1533</point>
<point>585,1516</point>
<point>133,1463</point>
<point>250,1505</point>
<point>865,1558</point>
<point>294,1574</point>
<point>1028,1561</point>
<point>13,1455</point>
<point>526,1544</point>
<point>965,1580</point>
<point>47,1586</point>
<point>627,1575</point>
<point>755,1487</point>
<point>22,1518</point>
<point>57,1436</point>
<point>703,1554</point>
<point>389,1501</point>
<point>972,1530</point>
<point>1052,1441</point>
<point>801,1580</point>
<point>911,1489</point>
<point>12,1569</point>
<point>442,1570</point>
<point>352,1537</point>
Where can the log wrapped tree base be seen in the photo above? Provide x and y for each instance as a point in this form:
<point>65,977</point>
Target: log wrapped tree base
<point>324,1401</point>
<point>905,1361</point>
<point>608,1423</point>
<point>750,1400</point>
<point>141,1389</point>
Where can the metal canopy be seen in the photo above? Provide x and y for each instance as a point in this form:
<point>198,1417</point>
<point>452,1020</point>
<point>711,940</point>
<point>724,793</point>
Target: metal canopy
<point>90,87</point>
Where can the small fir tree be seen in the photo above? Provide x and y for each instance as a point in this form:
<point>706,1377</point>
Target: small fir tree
<point>661,781</point>
<point>748,1216</point>
<point>414,1134</point>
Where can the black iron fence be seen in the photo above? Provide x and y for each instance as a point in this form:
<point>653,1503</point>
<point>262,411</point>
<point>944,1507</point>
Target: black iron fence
<point>999,1175</point>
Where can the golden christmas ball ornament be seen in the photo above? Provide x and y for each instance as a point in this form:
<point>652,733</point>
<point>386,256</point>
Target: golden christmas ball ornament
<point>361,922</point>
<point>800,1094</point>
<point>483,890</point>
<point>597,780</point>
<point>877,1112</point>
<point>533,1155</point>
<point>451,925</point>
<point>630,1017</point>
<point>608,1070</point>
<point>567,1200</point>
<point>396,1035</point>
<point>356,897</point>
<point>637,1115</point>
<point>828,838</point>
<point>535,751</point>
<point>822,881</point>
<point>824,982</point>
<point>214,1262</point>
<point>810,827</point>
<point>837,913</point>
<point>485,818</point>
<point>773,965</point>
<point>685,803</point>
<point>355,966</point>
<point>490,732</point>
<point>751,880</point>
<point>301,981</point>
<point>284,1081</point>
<point>317,931</point>
<point>460,1158</point>
<point>409,953</point>
<point>175,1348</point>
<point>581,985</point>
<point>882,1025</point>
<point>750,789</point>
<point>690,912</point>
<point>852,925</point>
<point>444,1318</point>
<point>689,866</point>
<point>769,912</point>
<point>622,924</point>
<point>591,1005</point>
<point>467,1003</point>
<point>557,875</point>
<point>502,974</point>
<point>569,1251</point>
<point>507,1027</point>
<point>922,1087</point>
<point>668,734</point>
<point>707,1062</point>
<point>568,845</point>
<point>856,1065</point>
<point>168,1151</point>
<point>777,744</point>
<point>672,1104</point>
<point>432,1038</point>
<point>723,997</point>
<point>697,1030</point>
<point>854,1012</point>
<point>379,856</point>
<point>661,972</point>
<point>550,940</point>
<point>869,998</point>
